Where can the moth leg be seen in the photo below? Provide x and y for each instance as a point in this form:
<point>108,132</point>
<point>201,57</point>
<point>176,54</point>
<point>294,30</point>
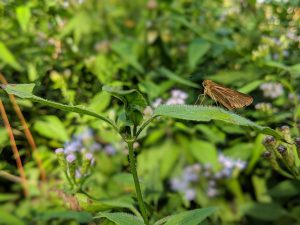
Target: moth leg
<point>199,98</point>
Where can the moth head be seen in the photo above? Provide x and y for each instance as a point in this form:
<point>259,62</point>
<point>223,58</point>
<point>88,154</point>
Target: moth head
<point>206,83</point>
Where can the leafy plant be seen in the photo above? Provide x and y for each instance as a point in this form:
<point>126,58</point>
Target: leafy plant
<point>132,124</point>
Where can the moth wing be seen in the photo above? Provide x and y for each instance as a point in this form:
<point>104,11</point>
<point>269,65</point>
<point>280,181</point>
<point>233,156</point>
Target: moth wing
<point>231,99</point>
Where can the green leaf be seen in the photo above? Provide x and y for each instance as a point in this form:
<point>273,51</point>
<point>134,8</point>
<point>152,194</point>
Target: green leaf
<point>205,152</point>
<point>129,97</point>
<point>277,65</point>
<point>8,197</point>
<point>121,218</point>
<point>51,127</point>
<point>205,114</point>
<point>134,103</point>
<point>99,102</point>
<point>228,77</point>
<point>192,217</point>
<point>80,25</point>
<point>264,211</point>
<point>7,57</point>
<point>250,86</point>
<point>23,15</point>
<point>80,217</point>
<point>295,70</point>
<point>178,79</point>
<point>25,91</point>
<point>286,188</point>
<point>125,50</point>
<point>196,50</point>
<point>91,205</point>
<point>7,218</point>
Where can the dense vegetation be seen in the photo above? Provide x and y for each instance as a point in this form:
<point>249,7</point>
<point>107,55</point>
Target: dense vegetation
<point>122,78</point>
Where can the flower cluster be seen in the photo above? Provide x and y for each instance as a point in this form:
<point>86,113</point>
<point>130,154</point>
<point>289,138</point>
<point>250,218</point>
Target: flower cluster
<point>178,97</point>
<point>77,156</point>
<point>271,90</point>
<point>186,182</point>
<point>266,108</point>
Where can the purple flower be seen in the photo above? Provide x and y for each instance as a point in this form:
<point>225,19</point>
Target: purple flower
<point>73,146</point>
<point>95,147</point>
<point>89,156</point>
<point>86,135</point>
<point>59,151</point>
<point>178,184</point>
<point>109,149</point>
<point>71,158</point>
<point>190,174</point>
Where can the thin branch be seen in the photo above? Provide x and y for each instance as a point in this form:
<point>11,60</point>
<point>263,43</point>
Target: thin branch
<point>14,149</point>
<point>10,177</point>
<point>26,131</point>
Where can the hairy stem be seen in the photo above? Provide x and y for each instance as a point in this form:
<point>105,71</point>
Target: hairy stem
<point>132,162</point>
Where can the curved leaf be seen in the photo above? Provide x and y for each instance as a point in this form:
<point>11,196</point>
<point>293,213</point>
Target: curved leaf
<point>178,79</point>
<point>81,217</point>
<point>131,97</point>
<point>7,57</point>
<point>25,91</point>
<point>7,218</point>
<point>264,211</point>
<point>205,114</point>
<point>196,50</point>
<point>192,217</point>
<point>121,218</point>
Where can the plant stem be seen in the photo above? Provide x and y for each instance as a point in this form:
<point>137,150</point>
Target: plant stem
<point>132,162</point>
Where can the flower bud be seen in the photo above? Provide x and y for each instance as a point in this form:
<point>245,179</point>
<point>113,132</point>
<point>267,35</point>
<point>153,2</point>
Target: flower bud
<point>287,156</point>
<point>71,159</point>
<point>270,144</point>
<point>286,132</point>
<point>297,143</point>
<point>87,162</point>
<point>61,158</point>
<point>270,156</point>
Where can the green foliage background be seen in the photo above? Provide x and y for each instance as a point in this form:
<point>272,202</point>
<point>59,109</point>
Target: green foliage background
<point>71,49</point>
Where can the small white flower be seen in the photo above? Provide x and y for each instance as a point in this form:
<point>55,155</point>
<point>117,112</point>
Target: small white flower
<point>148,111</point>
<point>78,174</point>
<point>240,164</point>
<point>178,185</point>
<point>272,90</point>
<point>190,194</point>
<point>212,192</point>
<point>157,102</point>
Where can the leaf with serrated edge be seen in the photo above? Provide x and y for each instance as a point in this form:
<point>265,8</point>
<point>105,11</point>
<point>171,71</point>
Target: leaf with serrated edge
<point>205,114</point>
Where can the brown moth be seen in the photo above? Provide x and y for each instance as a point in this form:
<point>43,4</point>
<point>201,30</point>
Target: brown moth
<point>229,98</point>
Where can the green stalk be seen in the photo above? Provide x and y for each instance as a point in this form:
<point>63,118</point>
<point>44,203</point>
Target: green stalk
<point>132,162</point>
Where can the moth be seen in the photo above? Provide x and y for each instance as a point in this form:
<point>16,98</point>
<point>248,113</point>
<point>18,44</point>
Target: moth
<point>229,98</point>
